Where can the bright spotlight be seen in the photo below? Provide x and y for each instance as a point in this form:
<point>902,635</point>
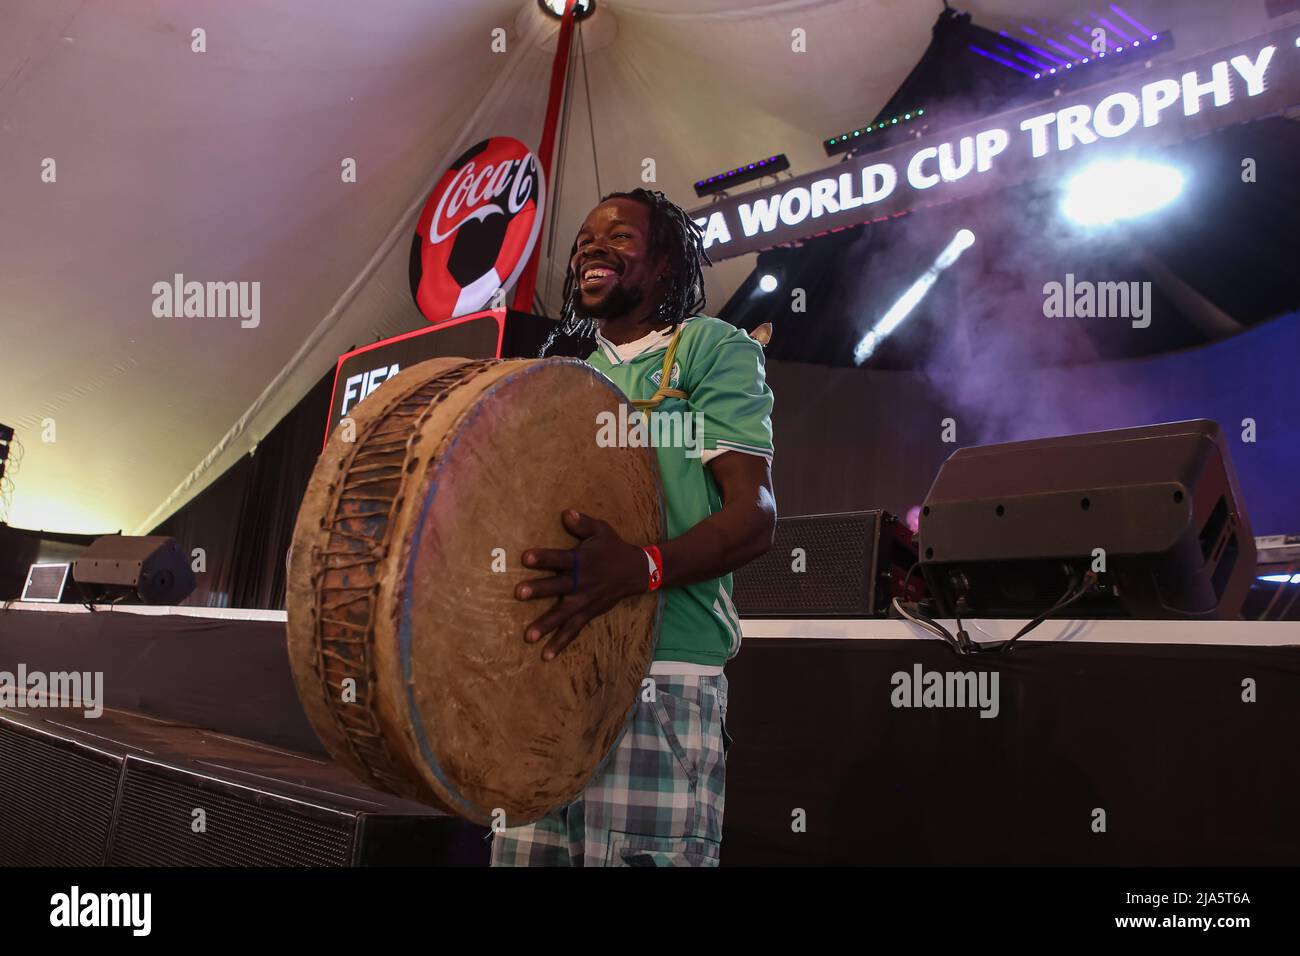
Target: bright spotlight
<point>960,243</point>
<point>768,282</point>
<point>581,10</point>
<point>1109,191</point>
<point>908,301</point>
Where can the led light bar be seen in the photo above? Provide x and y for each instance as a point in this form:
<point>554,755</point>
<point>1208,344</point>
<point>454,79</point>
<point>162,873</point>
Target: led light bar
<point>850,140</point>
<point>1163,40</point>
<point>742,174</point>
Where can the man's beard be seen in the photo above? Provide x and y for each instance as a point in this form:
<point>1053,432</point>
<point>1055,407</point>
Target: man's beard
<point>620,301</point>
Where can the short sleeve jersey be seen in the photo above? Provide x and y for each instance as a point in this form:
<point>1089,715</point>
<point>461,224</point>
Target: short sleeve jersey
<point>727,409</point>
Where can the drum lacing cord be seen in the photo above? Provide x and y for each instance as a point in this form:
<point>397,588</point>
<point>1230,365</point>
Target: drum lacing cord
<point>663,391</point>
<point>446,382</point>
<point>377,551</point>
<point>415,410</point>
<point>358,724</point>
<point>421,411</point>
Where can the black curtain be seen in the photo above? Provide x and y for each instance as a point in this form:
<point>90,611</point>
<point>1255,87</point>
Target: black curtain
<point>20,548</point>
<point>244,520</point>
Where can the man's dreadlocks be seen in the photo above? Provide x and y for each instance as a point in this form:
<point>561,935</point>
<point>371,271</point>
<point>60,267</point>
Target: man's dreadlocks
<point>671,230</point>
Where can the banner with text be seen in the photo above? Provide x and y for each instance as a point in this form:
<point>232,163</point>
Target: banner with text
<point>1162,104</point>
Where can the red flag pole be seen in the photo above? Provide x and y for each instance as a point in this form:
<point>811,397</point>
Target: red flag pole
<point>528,280</point>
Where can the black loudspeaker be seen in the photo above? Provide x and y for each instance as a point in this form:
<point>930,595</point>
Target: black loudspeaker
<point>835,565</point>
<point>1008,530</point>
<point>57,795</point>
<point>152,569</point>
<point>128,790</point>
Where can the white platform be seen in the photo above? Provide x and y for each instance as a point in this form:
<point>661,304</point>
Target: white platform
<point>218,613</point>
<point>1252,633</point>
<point>1249,633</point>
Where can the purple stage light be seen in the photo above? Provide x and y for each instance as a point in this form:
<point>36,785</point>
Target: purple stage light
<point>1007,63</point>
<point>1137,26</point>
<point>1031,61</point>
<point>1052,43</point>
<point>1041,52</point>
<point>1114,29</point>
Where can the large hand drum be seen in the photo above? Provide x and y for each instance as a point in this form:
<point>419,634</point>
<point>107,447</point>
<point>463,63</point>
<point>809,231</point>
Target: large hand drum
<point>405,636</point>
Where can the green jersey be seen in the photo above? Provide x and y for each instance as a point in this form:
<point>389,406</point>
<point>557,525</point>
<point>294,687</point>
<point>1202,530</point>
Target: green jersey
<point>727,410</point>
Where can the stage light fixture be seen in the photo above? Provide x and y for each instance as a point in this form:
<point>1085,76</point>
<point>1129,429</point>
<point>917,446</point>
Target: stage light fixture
<point>960,243</point>
<point>901,309</point>
<point>768,282</point>
<point>742,174</point>
<point>1110,191</point>
<point>6,437</point>
<point>853,138</point>
<point>1164,39</point>
<point>555,8</point>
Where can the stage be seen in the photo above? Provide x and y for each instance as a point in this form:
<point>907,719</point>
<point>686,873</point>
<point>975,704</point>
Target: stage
<point>1099,742</point>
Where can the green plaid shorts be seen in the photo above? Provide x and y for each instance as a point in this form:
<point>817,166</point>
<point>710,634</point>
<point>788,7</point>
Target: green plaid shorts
<point>657,800</point>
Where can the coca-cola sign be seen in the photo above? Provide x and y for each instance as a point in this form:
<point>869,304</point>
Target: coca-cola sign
<point>477,229</point>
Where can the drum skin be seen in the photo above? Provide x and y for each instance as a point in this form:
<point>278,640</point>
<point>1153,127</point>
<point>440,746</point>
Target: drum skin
<point>405,637</point>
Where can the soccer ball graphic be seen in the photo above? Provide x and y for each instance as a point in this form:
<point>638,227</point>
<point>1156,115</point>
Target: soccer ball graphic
<point>477,229</point>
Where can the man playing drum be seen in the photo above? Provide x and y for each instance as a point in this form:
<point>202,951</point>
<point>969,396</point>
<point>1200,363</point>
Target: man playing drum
<point>635,283</point>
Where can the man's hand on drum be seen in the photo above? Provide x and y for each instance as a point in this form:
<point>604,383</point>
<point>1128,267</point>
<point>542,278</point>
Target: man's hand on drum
<point>589,580</point>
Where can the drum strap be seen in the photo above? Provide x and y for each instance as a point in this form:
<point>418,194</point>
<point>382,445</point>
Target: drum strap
<point>645,404</point>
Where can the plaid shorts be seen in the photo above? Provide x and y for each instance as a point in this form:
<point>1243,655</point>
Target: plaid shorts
<point>657,801</point>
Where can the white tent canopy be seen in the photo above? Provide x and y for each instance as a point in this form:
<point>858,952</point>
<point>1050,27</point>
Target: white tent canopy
<point>225,165</point>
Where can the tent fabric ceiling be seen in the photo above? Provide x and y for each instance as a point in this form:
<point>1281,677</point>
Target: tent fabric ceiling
<point>225,166</point>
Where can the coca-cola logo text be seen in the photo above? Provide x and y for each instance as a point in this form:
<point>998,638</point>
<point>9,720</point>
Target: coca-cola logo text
<point>474,194</point>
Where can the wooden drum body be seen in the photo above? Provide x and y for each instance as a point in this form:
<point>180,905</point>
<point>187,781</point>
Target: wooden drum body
<point>405,636</point>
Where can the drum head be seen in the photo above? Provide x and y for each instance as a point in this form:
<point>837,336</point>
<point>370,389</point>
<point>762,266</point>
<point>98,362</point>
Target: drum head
<point>458,710</point>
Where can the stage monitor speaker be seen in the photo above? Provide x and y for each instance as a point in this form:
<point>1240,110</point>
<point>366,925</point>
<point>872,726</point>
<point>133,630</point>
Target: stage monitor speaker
<point>1007,529</point>
<point>833,565</point>
<point>123,789</point>
<point>152,569</point>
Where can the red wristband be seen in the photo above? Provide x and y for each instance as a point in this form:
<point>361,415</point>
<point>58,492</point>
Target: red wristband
<point>657,567</point>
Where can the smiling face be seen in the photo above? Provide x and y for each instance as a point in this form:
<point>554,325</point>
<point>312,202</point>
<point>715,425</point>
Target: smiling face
<point>615,273</point>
